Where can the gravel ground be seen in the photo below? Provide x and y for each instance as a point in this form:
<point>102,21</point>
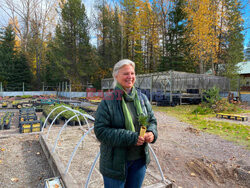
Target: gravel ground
<point>191,158</point>
<point>188,157</point>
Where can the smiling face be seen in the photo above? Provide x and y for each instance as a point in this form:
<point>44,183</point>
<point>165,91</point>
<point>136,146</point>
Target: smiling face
<point>126,77</point>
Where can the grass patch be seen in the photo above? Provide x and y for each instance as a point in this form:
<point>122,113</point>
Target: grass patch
<point>237,133</point>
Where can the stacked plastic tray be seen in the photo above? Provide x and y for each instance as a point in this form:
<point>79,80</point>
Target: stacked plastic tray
<point>28,121</point>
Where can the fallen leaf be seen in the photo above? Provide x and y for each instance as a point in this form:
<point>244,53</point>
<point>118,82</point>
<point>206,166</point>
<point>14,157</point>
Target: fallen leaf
<point>14,179</point>
<point>193,174</point>
<point>0,161</point>
<point>2,149</point>
<point>57,186</point>
<point>38,153</point>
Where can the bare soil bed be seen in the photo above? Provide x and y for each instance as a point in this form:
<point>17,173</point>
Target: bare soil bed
<point>23,164</point>
<point>22,161</point>
<point>189,158</point>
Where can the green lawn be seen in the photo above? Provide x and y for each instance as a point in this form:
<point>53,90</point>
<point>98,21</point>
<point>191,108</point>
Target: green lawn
<point>237,133</point>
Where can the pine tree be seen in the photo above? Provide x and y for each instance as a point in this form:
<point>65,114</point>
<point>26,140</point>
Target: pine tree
<point>53,72</point>
<point>73,45</point>
<point>7,52</point>
<point>176,44</point>
<point>109,36</point>
<point>14,67</point>
<point>234,50</point>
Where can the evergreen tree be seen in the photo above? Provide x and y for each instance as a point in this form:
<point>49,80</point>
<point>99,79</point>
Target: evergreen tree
<point>14,67</point>
<point>20,75</point>
<point>234,51</point>
<point>6,54</point>
<point>175,57</point>
<point>73,43</point>
<point>52,73</point>
<point>109,35</point>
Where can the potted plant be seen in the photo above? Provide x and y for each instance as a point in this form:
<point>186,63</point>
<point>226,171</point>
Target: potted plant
<point>1,123</point>
<point>143,122</point>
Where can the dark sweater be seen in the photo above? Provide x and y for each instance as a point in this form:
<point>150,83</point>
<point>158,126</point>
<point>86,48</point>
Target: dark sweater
<point>134,152</point>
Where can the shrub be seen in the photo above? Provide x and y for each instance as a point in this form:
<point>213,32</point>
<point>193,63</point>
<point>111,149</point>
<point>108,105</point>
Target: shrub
<point>224,106</point>
<point>202,109</point>
<point>211,96</point>
<point>220,106</point>
<point>26,96</point>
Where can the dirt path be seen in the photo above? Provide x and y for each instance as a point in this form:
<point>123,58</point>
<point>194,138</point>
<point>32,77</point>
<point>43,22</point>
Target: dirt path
<point>191,158</point>
<point>188,157</point>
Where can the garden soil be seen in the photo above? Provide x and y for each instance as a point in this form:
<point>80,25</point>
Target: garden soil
<point>22,161</point>
<point>188,157</point>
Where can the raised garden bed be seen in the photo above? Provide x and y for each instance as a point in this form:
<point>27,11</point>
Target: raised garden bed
<point>64,116</point>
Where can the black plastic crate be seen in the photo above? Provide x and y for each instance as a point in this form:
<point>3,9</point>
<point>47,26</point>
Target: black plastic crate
<point>30,126</point>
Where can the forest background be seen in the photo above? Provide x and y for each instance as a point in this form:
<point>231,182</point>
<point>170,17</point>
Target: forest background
<point>48,41</point>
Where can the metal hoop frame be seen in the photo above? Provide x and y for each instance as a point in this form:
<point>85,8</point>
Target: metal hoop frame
<point>77,113</point>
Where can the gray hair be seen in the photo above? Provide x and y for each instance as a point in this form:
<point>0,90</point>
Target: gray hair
<point>118,66</point>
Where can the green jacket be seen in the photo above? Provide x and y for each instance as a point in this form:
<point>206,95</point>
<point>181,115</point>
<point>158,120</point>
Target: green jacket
<point>110,131</point>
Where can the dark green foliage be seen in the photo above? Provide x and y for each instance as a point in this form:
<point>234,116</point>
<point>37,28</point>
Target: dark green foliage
<point>203,110</point>
<point>53,71</point>
<point>211,96</point>
<point>214,103</point>
<point>74,54</point>
<point>109,47</point>
<point>234,48</point>
<point>175,57</point>
<point>143,120</point>
<point>14,68</point>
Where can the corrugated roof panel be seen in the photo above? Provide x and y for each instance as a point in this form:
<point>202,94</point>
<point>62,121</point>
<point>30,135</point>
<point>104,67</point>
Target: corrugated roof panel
<point>244,67</point>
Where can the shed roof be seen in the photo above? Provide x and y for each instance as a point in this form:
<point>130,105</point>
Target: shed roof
<point>244,67</point>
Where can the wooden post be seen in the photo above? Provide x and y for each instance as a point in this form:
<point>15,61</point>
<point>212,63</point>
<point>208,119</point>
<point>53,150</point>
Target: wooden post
<point>69,90</point>
<point>1,88</point>
<point>239,89</point>
<point>23,88</point>
<point>43,88</point>
<point>151,88</point>
<point>171,82</point>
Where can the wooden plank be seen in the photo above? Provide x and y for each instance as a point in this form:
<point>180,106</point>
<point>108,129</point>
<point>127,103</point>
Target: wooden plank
<point>232,116</point>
